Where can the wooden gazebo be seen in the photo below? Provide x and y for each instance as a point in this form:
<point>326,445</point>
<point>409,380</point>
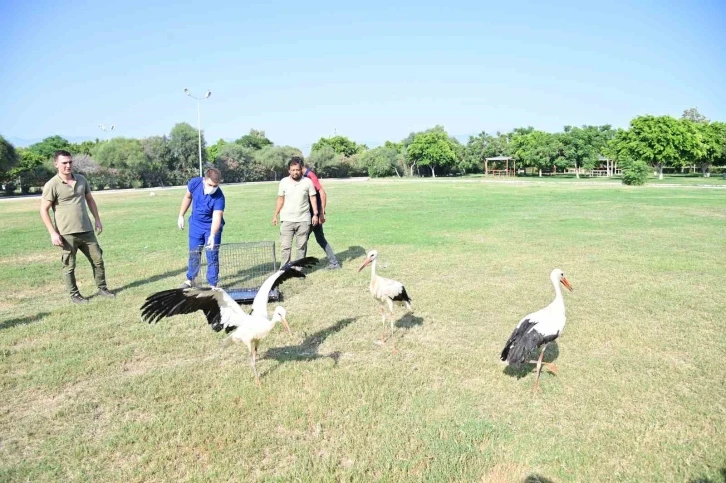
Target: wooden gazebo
<point>500,172</point>
<point>611,167</point>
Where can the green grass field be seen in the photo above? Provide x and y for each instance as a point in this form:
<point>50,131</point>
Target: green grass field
<point>89,393</point>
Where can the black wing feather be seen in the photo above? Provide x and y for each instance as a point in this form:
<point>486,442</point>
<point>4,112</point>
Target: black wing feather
<point>513,349</point>
<point>178,301</point>
<point>523,341</point>
<point>290,270</point>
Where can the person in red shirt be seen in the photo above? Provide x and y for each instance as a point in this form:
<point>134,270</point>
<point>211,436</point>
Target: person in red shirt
<point>333,262</point>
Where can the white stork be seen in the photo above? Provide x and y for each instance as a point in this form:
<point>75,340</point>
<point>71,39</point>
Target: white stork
<point>386,291</point>
<point>223,312</point>
<point>538,329</point>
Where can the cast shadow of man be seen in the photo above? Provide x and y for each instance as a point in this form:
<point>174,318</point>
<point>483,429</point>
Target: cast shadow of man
<point>551,354</point>
<point>258,273</point>
<point>308,349</point>
<point>351,253</point>
<point>7,324</point>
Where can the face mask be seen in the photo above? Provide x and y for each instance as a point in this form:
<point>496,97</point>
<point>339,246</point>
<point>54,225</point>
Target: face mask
<point>208,190</point>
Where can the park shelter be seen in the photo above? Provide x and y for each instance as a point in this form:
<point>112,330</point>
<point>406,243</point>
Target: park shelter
<point>500,172</point>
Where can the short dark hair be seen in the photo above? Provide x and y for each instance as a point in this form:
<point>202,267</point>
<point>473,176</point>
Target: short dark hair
<point>296,160</point>
<point>214,174</point>
<point>59,153</point>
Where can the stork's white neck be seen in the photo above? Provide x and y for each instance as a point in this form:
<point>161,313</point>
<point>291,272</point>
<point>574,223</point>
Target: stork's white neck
<point>559,301</point>
<point>373,269</point>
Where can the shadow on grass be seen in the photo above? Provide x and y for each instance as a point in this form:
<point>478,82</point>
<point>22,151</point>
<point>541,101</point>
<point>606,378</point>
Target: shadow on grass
<point>551,354</point>
<point>722,479</point>
<point>409,321</point>
<point>7,324</point>
<point>254,276</point>
<point>535,478</point>
<point>308,349</point>
<point>351,253</point>
<point>155,278</point>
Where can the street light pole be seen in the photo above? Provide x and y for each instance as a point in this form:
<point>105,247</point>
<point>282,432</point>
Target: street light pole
<point>199,122</point>
<point>108,133</point>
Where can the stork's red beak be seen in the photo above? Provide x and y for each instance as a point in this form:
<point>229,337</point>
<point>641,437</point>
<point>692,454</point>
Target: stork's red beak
<point>287,326</point>
<point>367,261</point>
<point>566,284</point>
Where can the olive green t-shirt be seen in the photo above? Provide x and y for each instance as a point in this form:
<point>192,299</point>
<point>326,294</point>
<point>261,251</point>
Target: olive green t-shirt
<point>297,199</point>
<point>69,204</point>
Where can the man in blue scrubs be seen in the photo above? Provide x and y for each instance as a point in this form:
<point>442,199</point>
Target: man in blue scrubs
<point>205,224</point>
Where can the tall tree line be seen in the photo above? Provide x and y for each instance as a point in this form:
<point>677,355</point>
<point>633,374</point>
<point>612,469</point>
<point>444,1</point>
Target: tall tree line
<point>656,141</point>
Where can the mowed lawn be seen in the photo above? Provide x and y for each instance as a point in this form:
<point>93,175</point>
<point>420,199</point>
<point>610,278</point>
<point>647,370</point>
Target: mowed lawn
<point>90,393</point>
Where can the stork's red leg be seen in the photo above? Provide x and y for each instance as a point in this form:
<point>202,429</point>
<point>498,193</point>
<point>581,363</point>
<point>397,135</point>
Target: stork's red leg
<point>383,334</point>
<point>254,366</point>
<point>539,368</point>
<point>549,365</point>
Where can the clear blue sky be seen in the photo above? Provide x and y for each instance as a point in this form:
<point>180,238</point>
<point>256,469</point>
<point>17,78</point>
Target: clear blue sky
<point>376,71</point>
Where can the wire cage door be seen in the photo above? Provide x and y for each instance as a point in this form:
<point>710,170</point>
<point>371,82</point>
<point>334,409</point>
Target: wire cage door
<point>242,268</point>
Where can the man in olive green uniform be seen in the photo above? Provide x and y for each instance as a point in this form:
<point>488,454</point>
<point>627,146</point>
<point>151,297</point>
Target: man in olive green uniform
<point>69,195</point>
<point>295,197</point>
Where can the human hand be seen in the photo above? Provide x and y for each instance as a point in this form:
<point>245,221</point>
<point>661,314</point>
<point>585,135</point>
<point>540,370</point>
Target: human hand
<point>321,218</point>
<point>274,220</point>
<point>180,222</point>
<point>316,220</point>
<point>56,239</point>
<point>99,227</point>
<point>210,243</point>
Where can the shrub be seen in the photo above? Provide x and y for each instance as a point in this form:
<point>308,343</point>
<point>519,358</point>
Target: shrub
<point>636,173</point>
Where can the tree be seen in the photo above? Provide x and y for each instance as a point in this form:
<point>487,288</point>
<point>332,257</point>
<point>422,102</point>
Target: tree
<point>31,169</point>
<point>8,157</point>
<point>183,142</point>
<point>339,144</point>
<point>120,153</point>
<point>255,140</point>
<point>275,158</point>
<point>159,161</point>
<point>661,141</point>
<point>432,149</point>
<point>214,150</point>
<point>85,164</point>
<point>539,149</point>
<point>692,114</point>
<point>85,147</point>
<point>381,161</point>
<point>48,146</point>
<point>324,160</point>
<point>480,147</point>
<point>713,140</point>
<point>236,163</point>
<point>124,156</point>
<point>583,146</point>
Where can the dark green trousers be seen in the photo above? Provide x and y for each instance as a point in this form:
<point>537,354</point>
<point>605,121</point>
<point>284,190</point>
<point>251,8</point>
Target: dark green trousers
<point>87,243</point>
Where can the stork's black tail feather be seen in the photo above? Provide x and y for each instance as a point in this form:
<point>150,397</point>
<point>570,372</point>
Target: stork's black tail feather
<point>403,296</point>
